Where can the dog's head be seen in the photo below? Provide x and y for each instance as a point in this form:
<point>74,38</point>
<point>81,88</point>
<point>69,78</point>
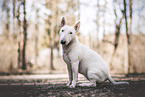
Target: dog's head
<point>67,33</point>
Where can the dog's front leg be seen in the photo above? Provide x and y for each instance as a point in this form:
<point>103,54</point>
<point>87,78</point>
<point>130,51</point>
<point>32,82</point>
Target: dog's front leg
<point>69,74</point>
<point>74,66</point>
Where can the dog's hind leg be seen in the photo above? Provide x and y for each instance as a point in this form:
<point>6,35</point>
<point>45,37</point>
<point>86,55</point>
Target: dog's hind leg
<point>91,83</point>
<point>93,78</point>
<point>87,84</point>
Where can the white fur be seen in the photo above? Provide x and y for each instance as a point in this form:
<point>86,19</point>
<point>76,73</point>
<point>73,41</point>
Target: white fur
<point>81,59</point>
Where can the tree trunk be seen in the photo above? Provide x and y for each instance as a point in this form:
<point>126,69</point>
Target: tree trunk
<point>7,31</point>
<point>14,17</point>
<point>104,20</point>
<point>97,20</point>
<point>126,22</point>
<point>19,54</point>
<point>36,36</point>
<point>127,59</point>
<point>25,38</point>
<point>78,5</point>
<point>130,22</point>
<point>18,38</point>
<point>51,59</point>
<point>130,30</point>
<point>52,33</point>
<point>7,25</point>
<point>36,43</point>
<point>116,40</point>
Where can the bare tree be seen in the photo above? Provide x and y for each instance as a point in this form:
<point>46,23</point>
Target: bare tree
<point>6,7</point>
<point>130,9</point>
<point>19,35</point>
<point>130,31</point>
<point>25,37</point>
<point>127,42</point>
<point>36,36</point>
<point>14,17</point>
<point>104,11</point>
<point>126,22</point>
<point>117,32</point>
<point>52,33</point>
<point>97,21</point>
<point>78,4</point>
<point>53,29</point>
<point>50,29</point>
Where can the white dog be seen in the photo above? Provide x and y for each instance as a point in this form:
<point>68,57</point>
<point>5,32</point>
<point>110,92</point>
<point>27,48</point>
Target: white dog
<point>80,58</point>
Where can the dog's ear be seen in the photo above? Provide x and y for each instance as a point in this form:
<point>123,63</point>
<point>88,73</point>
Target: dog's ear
<point>77,26</point>
<point>62,22</point>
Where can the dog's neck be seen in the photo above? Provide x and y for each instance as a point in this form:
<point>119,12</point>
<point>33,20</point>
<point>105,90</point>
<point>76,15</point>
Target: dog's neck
<point>69,47</point>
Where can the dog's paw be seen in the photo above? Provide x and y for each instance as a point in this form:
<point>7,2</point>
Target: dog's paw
<point>87,84</point>
<point>72,86</point>
<point>68,84</point>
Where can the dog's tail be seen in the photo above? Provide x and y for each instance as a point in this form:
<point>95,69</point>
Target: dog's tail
<point>115,83</point>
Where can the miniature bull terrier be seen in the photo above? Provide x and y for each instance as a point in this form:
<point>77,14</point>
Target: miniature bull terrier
<point>81,59</point>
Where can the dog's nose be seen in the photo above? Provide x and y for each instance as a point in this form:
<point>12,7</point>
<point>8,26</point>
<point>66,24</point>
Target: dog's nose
<point>63,42</point>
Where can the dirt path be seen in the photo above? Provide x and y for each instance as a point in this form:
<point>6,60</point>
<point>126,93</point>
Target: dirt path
<point>55,86</point>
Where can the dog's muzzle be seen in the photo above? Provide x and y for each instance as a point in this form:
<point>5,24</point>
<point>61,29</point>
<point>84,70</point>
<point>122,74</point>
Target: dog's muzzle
<point>62,42</point>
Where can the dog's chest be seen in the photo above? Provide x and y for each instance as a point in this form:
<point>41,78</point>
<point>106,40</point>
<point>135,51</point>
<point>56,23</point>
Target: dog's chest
<point>66,58</point>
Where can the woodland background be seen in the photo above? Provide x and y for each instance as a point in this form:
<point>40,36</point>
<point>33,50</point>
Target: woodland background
<point>29,33</point>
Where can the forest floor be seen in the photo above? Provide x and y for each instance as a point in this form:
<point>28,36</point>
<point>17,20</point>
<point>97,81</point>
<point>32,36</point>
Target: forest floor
<point>54,85</point>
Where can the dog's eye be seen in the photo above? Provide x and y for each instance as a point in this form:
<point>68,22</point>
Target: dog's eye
<point>70,32</point>
<point>62,30</point>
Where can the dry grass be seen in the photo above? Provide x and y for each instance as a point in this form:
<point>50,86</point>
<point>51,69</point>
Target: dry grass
<point>137,54</point>
<point>8,54</point>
